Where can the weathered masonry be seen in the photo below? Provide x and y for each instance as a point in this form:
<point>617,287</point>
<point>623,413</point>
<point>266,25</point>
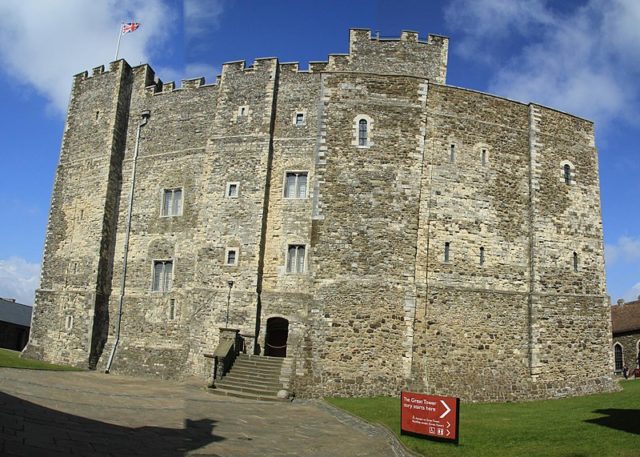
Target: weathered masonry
<point>377,227</point>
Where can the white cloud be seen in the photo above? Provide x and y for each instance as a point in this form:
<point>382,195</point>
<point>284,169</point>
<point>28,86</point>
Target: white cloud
<point>195,70</point>
<point>200,15</point>
<point>19,279</point>
<point>627,249</point>
<point>43,43</point>
<point>584,61</point>
<point>633,293</point>
<point>192,70</point>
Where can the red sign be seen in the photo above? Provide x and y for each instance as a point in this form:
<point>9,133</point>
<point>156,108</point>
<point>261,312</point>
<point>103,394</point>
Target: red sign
<point>430,415</point>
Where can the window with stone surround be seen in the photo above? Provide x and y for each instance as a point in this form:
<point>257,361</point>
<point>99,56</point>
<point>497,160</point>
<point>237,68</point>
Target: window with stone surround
<point>231,256</point>
<point>233,189</point>
<point>447,248</point>
<point>567,173</point>
<point>452,153</point>
<point>172,309</point>
<point>482,255</point>
<point>172,202</point>
<point>68,323</point>
<point>296,258</point>
<point>575,261</point>
<point>483,157</point>
<point>362,131</point>
<point>295,184</point>
<point>162,275</point>
<point>298,119</point>
<point>617,351</point>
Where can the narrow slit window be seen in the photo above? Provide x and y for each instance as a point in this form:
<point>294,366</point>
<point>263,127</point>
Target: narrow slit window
<point>363,132</point>
<point>482,256</point>
<point>162,275</point>
<point>452,153</point>
<point>483,157</point>
<point>295,258</point>
<point>447,248</point>
<point>567,174</point>
<point>172,309</point>
<point>575,261</point>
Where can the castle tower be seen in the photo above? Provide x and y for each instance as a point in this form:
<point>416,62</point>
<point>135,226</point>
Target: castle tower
<point>379,228</point>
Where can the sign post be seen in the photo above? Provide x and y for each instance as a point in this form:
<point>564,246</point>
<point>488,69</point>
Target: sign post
<point>430,416</point>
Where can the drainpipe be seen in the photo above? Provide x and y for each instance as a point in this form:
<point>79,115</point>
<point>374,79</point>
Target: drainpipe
<point>145,117</point>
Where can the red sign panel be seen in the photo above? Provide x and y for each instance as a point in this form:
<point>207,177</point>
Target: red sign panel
<point>430,415</point>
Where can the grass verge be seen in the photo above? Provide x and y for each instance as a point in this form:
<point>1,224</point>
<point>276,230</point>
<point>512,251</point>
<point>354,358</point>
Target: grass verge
<point>595,425</point>
<point>11,359</point>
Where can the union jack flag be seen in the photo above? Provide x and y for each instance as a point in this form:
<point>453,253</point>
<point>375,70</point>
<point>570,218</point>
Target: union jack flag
<point>130,27</point>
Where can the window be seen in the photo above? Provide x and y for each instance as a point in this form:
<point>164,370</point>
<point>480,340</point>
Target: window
<point>295,185</point>
<point>452,153</point>
<point>162,275</point>
<point>231,256</point>
<point>447,246</point>
<point>575,261</point>
<point>243,111</point>
<point>232,189</point>
<point>617,351</point>
<point>483,157</point>
<point>299,119</point>
<point>482,256</point>
<point>68,324</point>
<point>363,132</point>
<point>172,202</point>
<point>567,174</point>
<point>295,258</point>
<point>172,309</point>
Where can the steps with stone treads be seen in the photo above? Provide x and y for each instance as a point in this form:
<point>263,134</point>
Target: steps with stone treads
<point>255,377</point>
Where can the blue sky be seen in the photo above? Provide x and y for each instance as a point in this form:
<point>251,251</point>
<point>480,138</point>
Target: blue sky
<point>578,56</point>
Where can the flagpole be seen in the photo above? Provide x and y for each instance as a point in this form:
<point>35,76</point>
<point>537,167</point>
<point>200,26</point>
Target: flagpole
<point>118,45</point>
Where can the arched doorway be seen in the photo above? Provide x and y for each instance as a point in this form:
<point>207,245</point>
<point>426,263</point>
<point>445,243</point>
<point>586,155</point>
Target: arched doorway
<point>276,338</point>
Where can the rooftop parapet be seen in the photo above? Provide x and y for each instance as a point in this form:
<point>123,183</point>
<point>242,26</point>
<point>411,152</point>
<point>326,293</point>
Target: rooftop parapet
<point>406,55</point>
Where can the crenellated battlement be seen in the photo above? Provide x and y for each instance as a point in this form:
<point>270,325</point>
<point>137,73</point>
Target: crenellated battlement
<point>406,55</point>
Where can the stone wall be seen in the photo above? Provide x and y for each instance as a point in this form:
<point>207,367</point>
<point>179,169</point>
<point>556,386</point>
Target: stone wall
<point>508,312</point>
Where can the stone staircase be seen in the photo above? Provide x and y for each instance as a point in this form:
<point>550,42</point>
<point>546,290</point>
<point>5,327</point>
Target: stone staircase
<point>256,377</point>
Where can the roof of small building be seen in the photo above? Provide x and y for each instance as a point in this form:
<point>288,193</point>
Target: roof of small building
<point>15,313</point>
<point>626,317</point>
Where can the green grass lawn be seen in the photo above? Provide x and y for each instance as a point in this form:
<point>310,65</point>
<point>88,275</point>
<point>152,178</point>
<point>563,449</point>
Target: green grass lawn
<point>596,425</point>
<point>11,359</point>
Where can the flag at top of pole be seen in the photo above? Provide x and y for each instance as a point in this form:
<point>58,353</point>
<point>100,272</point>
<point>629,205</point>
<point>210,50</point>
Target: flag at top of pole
<point>129,27</point>
<point>125,27</point>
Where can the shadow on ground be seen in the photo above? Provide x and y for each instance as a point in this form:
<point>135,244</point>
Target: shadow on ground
<point>30,429</point>
<point>626,420</point>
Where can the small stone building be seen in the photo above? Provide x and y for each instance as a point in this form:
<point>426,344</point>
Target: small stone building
<point>380,228</point>
<point>625,321</point>
<point>15,323</point>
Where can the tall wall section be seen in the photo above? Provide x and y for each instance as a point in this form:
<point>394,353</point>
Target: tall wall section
<point>154,337</point>
<point>78,257</point>
<point>359,335</point>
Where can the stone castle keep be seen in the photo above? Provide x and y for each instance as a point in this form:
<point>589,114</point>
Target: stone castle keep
<point>379,228</point>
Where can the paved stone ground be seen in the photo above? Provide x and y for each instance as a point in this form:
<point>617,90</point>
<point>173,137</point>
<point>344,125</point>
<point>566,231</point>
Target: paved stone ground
<point>45,413</point>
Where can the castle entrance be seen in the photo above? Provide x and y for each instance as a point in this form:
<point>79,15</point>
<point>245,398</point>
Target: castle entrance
<point>276,338</point>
